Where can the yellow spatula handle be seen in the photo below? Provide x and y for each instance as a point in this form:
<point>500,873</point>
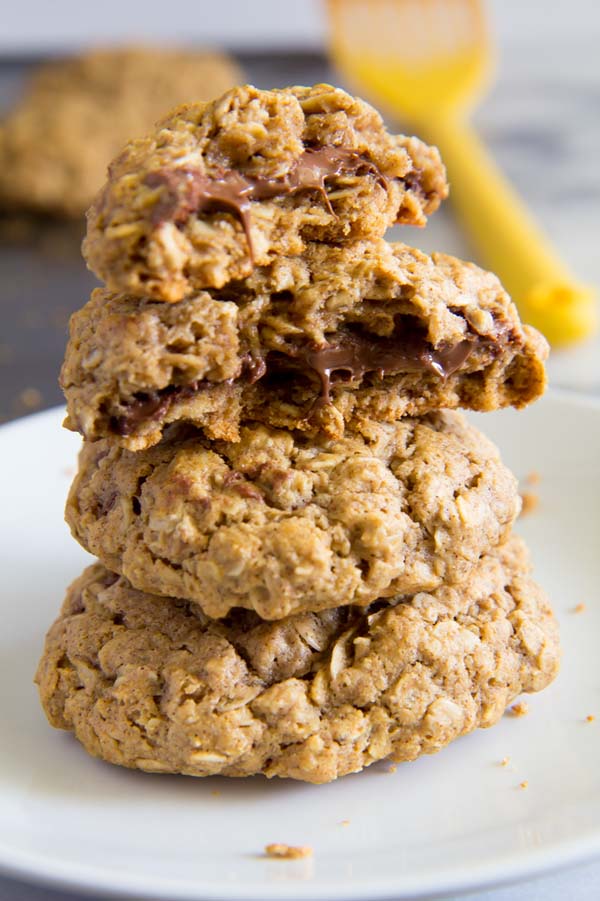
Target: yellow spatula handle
<point>509,241</point>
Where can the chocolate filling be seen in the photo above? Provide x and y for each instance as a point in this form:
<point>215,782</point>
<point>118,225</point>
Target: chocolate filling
<point>189,191</point>
<point>413,181</point>
<point>152,405</point>
<point>358,355</point>
<point>353,355</point>
<point>253,368</point>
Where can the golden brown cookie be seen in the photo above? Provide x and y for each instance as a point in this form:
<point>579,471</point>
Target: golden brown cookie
<point>315,342</point>
<point>221,187</point>
<point>77,113</point>
<point>151,683</point>
<point>281,523</point>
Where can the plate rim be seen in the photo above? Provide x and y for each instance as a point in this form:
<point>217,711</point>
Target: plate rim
<point>91,880</point>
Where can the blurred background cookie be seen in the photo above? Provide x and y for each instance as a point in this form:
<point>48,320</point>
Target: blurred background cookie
<point>75,115</point>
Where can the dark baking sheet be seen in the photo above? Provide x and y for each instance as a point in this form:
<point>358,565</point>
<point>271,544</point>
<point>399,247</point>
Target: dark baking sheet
<point>43,277</point>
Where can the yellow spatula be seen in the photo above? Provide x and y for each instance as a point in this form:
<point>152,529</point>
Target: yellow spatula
<point>427,61</point>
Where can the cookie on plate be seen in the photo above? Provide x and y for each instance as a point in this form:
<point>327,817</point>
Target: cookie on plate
<point>77,113</point>
<point>220,187</point>
<point>280,522</point>
<point>312,342</point>
<point>151,683</point>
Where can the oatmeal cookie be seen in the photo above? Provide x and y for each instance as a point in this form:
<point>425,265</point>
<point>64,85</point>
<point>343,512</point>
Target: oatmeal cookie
<point>220,187</point>
<point>151,683</point>
<point>313,342</point>
<point>77,114</point>
<point>281,523</point>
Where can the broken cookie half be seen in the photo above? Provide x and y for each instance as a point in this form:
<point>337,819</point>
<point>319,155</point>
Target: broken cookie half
<point>315,343</point>
<point>218,188</point>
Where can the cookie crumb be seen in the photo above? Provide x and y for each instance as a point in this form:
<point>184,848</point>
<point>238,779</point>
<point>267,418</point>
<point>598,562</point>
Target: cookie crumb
<point>519,709</point>
<point>392,768</point>
<point>505,761</point>
<point>216,793</point>
<point>523,785</point>
<point>530,502</point>
<point>30,398</point>
<point>590,718</point>
<point>345,823</point>
<point>288,852</point>
<point>579,608</point>
<point>533,478</point>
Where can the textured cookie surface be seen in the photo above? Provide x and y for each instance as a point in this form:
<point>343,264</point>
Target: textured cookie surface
<point>313,342</point>
<point>281,523</point>
<point>150,683</point>
<point>220,187</point>
<point>78,113</point>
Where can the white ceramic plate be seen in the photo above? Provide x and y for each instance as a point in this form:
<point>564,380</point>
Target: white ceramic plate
<point>453,821</point>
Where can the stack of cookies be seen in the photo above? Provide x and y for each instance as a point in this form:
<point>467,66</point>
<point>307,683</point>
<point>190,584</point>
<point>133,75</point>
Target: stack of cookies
<point>306,560</point>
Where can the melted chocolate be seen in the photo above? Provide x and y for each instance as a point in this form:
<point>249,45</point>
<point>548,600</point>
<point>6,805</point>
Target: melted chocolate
<point>353,354</point>
<point>190,191</point>
<point>413,181</point>
<point>253,368</point>
<point>154,404</point>
<point>149,406</point>
<point>359,355</point>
